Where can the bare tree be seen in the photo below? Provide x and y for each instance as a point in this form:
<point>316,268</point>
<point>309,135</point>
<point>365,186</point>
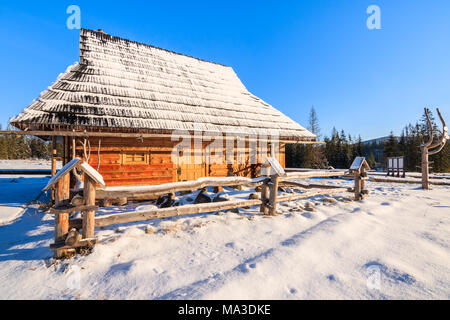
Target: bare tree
<point>426,148</point>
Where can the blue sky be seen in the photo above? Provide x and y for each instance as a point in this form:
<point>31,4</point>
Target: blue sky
<point>291,54</point>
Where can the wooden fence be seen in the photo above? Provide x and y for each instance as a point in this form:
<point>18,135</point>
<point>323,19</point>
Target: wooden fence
<point>157,213</point>
<point>68,239</point>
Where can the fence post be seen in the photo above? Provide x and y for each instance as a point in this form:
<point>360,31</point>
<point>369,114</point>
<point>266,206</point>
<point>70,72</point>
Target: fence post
<point>89,200</point>
<point>61,219</point>
<point>264,209</point>
<point>62,191</point>
<point>54,190</point>
<point>61,231</point>
<point>357,185</point>
<point>273,194</point>
<point>264,198</point>
<point>360,177</point>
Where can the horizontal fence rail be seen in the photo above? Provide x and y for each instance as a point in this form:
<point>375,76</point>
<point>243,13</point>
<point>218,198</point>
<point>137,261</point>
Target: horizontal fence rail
<point>314,174</point>
<point>159,190</point>
<point>158,213</point>
<point>409,181</point>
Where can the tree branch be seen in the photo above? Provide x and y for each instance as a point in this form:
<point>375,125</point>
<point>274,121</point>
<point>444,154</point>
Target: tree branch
<point>444,133</point>
<point>430,153</point>
<point>430,130</point>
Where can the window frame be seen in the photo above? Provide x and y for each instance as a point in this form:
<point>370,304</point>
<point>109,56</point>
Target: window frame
<point>133,154</point>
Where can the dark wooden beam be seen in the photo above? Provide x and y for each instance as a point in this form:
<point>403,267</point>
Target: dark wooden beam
<point>131,135</point>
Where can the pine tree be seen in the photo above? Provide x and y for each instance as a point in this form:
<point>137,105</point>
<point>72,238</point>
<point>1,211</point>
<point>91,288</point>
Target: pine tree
<point>442,160</point>
<point>318,160</point>
<point>313,123</point>
<point>357,148</point>
<point>345,152</point>
<point>371,160</point>
<point>332,148</point>
<point>390,147</point>
<point>307,156</point>
<point>291,155</point>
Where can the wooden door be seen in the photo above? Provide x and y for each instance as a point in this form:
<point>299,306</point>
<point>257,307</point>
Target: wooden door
<point>191,171</point>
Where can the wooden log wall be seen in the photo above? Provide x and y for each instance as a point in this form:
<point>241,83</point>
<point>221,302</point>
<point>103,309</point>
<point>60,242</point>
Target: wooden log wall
<point>158,167</point>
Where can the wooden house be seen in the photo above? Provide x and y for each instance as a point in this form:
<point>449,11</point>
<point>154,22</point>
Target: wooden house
<point>126,106</point>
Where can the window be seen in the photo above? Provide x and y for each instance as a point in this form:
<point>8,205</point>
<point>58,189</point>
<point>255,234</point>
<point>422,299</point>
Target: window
<point>135,158</point>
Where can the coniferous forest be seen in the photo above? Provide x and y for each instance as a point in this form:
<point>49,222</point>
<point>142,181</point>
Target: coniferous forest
<point>340,149</point>
<point>14,147</point>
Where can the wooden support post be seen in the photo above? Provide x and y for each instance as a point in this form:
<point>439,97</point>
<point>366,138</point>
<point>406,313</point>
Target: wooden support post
<point>74,147</point>
<point>53,165</point>
<point>264,198</point>
<point>62,191</point>
<point>273,187</point>
<point>53,156</point>
<point>61,220</point>
<point>66,150</point>
<point>358,185</point>
<point>72,155</point>
<point>89,200</point>
<point>65,188</point>
<point>363,177</point>
<point>264,209</point>
<point>63,151</point>
<point>273,168</point>
<point>61,231</point>
<point>360,178</point>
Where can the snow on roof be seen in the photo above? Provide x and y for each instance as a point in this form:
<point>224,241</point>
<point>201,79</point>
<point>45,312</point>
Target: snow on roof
<point>272,167</point>
<point>123,84</point>
<point>94,174</point>
<point>61,173</point>
<point>85,167</point>
<point>358,162</point>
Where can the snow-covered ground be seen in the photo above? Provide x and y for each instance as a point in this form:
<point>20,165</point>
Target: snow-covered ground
<point>15,193</point>
<point>395,244</point>
<point>18,190</point>
<point>27,164</point>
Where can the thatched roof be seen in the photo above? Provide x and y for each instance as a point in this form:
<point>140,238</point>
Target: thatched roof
<point>128,86</point>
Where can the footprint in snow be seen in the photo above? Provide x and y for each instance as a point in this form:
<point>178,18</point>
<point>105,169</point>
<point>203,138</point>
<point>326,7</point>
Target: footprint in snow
<point>307,215</point>
<point>229,245</point>
<point>243,268</point>
<point>375,269</point>
<point>288,242</point>
<point>121,268</point>
<point>331,277</point>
